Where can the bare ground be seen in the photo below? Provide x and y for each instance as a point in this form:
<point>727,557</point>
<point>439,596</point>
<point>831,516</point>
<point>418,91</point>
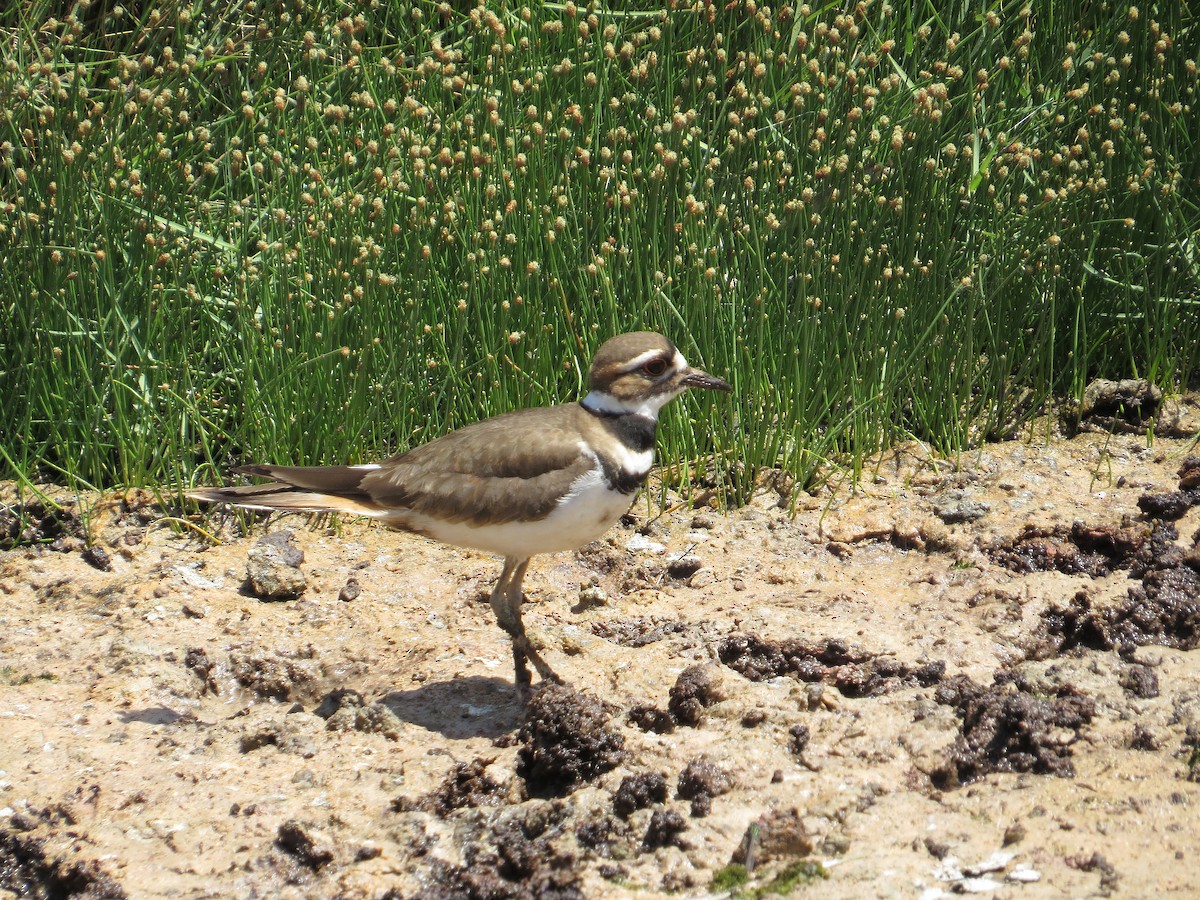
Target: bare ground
<point>870,698</point>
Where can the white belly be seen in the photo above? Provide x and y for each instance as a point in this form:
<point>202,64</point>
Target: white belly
<point>589,510</point>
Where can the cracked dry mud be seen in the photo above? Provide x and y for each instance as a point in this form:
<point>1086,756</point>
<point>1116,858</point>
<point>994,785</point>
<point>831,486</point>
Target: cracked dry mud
<point>860,700</point>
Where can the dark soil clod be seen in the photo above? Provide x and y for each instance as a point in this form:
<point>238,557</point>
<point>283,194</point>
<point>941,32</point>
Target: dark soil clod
<point>700,781</point>
<point>1006,728</point>
<point>666,828</point>
<point>696,689</point>
<point>97,557</point>
<point>566,741</point>
<point>26,871</point>
<point>1140,681</point>
<point>307,845</point>
<point>652,718</point>
<point>467,785</point>
<point>855,672</point>
<point>638,792</point>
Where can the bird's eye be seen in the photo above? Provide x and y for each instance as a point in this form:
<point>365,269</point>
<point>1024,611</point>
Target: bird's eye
<point>655,367</point>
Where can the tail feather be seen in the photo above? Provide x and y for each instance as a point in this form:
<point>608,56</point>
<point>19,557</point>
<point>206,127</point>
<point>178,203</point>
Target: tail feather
<point>320,489</point>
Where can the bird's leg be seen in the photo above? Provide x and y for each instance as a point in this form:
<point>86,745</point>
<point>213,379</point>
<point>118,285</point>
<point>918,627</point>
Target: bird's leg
<point>506,602</point>
<point>516,597</point>
<point>509,618</point>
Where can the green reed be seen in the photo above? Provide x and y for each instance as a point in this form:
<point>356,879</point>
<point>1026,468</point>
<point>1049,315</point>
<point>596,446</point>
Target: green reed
<point>300,232</point>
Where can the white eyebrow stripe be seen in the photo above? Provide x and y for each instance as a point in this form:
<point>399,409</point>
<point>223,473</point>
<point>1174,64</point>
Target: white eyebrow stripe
<point>643,358</point>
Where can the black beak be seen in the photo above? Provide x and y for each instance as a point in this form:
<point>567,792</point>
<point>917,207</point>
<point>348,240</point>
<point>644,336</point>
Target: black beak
<point>699,379</point>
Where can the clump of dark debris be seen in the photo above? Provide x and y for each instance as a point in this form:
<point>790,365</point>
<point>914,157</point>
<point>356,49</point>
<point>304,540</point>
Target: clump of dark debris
<point>28,870</point>
<point>35,522</point>
<point>665,830</point>
<point>467,785</point>
<point>565,741</point>
<point>1008,728</point>
<point>1093,550</point>
<point>345,709</point>
<point>853,671</point>
<point>305,843</point>
<point>700,781</point>
<point>638,792</point>
<point>273,675</point>
<point>514,867</point>
<point>1163,610</point>
<point>652,718</point>
<point>1174,504</point>
<point>697,688</point>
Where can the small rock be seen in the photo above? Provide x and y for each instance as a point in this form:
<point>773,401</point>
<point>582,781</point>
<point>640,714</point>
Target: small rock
<point>350,590</point>
<point>308,845</point>
<point>955,506</point>
<point>702,579</point>
<point>683,567</point>
<point>1014,834</point>
<point>96,556</point>
<point>978,885</point>
<point>1189,473</point>
<point>778,834</point>
<point>273,567</point>
<point>592,595</point>
<point>1024,874</point>
<point>1119,405</point>
<point>997,862</point>
<point>641,544</point>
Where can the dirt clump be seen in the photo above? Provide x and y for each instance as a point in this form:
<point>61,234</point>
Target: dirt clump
<point>565,741</point>
<point>28,870</point>
<point>273,567</point>
<point>696,689</point>
<point>666,829</point>
<point>1008,728</point>
<point>467,785</point>
<point>639,792</point>
<point>853,671</point>
<point>652,718</point>
<point>777,835</point>
<point>700,781</point>
<point>274,676</point>
<point>1163,610</point>
<point>305,843</point>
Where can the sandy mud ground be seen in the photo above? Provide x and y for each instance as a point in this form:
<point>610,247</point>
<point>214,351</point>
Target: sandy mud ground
<point>971,676</point>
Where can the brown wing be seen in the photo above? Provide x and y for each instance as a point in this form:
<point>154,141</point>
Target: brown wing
<point>513,466</point>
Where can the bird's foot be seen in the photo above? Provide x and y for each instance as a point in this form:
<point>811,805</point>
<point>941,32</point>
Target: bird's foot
<point>523,651</point>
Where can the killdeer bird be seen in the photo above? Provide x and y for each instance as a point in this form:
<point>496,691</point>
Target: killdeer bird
<point>525,482</point>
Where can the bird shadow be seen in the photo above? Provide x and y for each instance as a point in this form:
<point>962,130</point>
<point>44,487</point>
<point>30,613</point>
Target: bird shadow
<point>467,707</point>
<point>152,715</point>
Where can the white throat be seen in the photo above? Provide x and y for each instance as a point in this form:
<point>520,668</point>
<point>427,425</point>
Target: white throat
<point>604,402</point>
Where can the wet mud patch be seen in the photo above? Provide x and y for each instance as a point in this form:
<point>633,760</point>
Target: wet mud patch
<point>29,870</point>
<point>1078,549</point>
<point>1164,609</point>
<point>508,864</point>
<point>35,522</point>
<point>853,671</point>
<point>566,741</point>
<point>275,676</point>
<point>467,786</point>
<point>1010,727</point>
